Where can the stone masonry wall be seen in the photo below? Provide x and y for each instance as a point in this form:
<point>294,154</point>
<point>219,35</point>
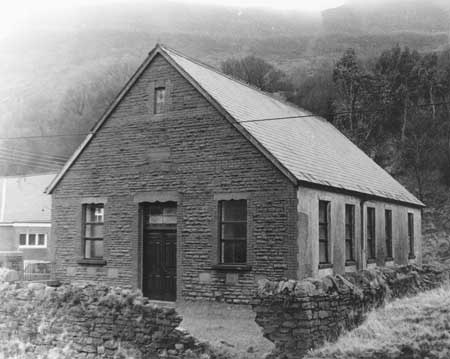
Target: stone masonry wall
<point>300,315</point>
<point>89,322</point>
<point>190,151</point>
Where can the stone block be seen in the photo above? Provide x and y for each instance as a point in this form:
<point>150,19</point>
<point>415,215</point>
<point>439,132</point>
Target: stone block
<point>204,277</point>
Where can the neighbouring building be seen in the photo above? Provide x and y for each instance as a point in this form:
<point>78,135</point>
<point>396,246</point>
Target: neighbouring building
<point>194,185</point>
<point>25,218</point>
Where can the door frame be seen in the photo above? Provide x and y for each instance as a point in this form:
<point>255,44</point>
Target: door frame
<point>140,266</point>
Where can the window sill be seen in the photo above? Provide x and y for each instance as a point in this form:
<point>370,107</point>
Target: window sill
<point>92,262</point>
<point>411,256</point>
<point>371,260</point>
<point>233,267</point>
<point>388,259</point>
<point>325,265</point>
<point>350,263</point>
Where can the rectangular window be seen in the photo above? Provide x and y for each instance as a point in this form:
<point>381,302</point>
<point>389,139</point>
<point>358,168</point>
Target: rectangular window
<point>411,234</point>
<point>93,230</point>
<point>32,240</point>
<point>324,237</point>
<point>388,230</point>
<point>371,248</point>
<point>41,239</point>
<point>349,232</point>
<point>160,99</point>
<point>233,231</point>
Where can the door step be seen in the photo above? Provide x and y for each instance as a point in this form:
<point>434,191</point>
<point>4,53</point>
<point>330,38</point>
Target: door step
<point>162,303</point>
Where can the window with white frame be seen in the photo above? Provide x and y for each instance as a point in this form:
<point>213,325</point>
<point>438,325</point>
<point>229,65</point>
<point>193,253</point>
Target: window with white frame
<point>93,223</point>
<point>32,240</point>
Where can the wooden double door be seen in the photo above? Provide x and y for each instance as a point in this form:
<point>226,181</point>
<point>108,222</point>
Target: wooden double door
<point>160,250</point>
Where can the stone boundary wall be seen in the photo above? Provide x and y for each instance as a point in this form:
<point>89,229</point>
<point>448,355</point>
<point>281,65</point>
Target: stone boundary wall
<point>89,321</point>
<point>301,315</point>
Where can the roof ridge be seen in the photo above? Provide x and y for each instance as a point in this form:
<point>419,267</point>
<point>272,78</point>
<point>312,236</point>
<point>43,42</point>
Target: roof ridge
<point>241,82</point>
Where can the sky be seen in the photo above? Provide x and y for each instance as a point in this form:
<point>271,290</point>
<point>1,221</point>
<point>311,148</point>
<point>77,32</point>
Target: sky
<point>16,12</point>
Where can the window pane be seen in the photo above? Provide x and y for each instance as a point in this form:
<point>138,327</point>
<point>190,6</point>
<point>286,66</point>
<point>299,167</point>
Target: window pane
<point>31,239</point>
<point>170,215</point>
<point>240,252</point>
<point>323,212</point>
<point>93,249</point>
<point>323,231</point>
<point>41,239</point>
<point>227,251</point>
<point>234,230</point>
<point>160,99</point>
<point>23,239</point>
<point>323,252</point>
<point>94,213</point>
<point>234,210</point>
<point>94,231</point>
<point>348,250</point>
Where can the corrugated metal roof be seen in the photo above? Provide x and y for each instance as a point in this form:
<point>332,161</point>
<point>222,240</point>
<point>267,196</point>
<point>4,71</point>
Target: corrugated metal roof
<point>23,200</point>
<point>309,147</point>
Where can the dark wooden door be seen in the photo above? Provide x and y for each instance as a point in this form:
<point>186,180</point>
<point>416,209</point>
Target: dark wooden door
<point>160,251</point>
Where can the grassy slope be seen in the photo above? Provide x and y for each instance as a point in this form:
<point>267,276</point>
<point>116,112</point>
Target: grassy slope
<point>417,327</point>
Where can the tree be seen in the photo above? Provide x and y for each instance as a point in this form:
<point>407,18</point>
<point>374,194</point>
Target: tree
<point>419,147</point>
<point>396,68</point>
<point>257,72</point>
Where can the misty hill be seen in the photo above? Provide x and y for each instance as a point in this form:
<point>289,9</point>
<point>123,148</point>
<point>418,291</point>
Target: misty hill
<point>388,17</point>
<point>88,53</point>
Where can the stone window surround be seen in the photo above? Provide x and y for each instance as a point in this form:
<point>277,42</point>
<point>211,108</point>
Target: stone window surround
<point>329,199</point>
<point>351,261</point>
<point>215,258</point>
<point>151,89</point>
<point>411,255</point>
<point>83,201</point>
<point>393,241</point>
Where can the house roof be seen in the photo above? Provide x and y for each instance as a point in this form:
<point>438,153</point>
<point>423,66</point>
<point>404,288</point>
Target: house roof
<point>22,199</point>
<point>306,148</point>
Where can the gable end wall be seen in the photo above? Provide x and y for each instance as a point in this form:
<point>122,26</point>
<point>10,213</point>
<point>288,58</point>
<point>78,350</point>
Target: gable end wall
<point>190,152</point>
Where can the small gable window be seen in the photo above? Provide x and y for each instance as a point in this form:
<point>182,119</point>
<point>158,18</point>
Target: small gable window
<point>160,100</point>
<point>93,230</point>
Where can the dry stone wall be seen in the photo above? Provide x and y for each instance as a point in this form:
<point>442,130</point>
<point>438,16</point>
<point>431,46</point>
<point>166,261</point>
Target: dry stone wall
<point>89,321</point>
<point>300,315</point>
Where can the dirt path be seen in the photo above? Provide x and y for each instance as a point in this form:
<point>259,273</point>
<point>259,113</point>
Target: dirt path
<point>230,328</point>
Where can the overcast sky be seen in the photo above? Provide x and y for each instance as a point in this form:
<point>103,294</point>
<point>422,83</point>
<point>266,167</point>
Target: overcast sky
<point>15,13</point>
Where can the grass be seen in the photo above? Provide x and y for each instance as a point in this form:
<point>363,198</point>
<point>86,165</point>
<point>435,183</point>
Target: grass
<point>409,328</point>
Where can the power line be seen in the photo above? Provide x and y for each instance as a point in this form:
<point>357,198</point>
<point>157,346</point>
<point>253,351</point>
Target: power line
<point>44,136</point>
<point>37,154</point>
<point>244,121</point>
<point>27,163</point>
<point>338,113</point>
<point>14,156</point>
